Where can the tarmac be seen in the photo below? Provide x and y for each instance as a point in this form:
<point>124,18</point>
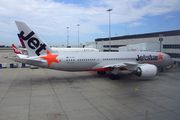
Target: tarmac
<point>44,94</point>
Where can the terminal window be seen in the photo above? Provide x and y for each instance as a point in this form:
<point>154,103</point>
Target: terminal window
<point>171,46</point>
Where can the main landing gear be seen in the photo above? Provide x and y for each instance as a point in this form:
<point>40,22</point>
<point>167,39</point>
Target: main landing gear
<point>101,72</point>
<point>112,77</point>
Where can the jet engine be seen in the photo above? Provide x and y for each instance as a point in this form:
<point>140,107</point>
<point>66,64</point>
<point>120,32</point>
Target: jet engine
<point>146,70</point>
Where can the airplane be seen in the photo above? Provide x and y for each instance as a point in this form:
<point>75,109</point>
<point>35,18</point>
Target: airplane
<point>143,64</point>
<point>21,41</point>
<point>59,49</point>
<point>74,49</point>
<point>16,50</point>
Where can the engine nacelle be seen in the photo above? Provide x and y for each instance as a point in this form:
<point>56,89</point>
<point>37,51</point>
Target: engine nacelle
<point>146,70</point>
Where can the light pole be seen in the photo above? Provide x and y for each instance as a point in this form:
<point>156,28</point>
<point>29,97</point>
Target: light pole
<point>78,33</point>
<point>67,37</point>
<point>160,39</point>
<point>109,10</point>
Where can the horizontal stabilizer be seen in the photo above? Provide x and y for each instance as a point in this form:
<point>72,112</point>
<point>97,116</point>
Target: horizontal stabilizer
<point>22,56</point>
<point>21,60</point>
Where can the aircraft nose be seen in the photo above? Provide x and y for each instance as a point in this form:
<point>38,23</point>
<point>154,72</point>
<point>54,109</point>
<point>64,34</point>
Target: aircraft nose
<point>172,61</point>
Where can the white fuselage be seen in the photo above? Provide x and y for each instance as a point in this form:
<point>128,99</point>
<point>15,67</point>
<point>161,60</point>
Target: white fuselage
<point>74,49</point>
<point>95,61</point>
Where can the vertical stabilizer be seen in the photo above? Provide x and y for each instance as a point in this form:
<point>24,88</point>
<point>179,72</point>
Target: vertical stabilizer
<point>21,41</point>
<point>15,49</point>
<point>34,44</point>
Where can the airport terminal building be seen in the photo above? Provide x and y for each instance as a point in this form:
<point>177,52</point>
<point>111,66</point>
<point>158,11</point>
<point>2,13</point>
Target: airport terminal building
<point>170,42</point>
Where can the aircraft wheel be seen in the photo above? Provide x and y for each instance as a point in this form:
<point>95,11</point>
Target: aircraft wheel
<point>101,72</point>
<point>114,77</point>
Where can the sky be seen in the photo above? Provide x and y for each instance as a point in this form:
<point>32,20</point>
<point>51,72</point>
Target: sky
<point>50,19</point>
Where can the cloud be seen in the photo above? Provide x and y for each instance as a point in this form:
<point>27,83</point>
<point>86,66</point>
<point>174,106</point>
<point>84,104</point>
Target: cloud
<point>52,18</point>
<point>169,17</point>
<point>134,24</point>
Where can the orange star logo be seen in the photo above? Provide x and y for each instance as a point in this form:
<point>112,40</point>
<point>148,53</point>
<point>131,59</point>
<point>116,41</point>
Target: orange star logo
<point>160,57</point>
<point>50,58</point>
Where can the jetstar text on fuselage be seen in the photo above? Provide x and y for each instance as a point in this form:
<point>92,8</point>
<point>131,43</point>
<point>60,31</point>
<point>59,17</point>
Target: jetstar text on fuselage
<point>146,57</point>
<point>33,42</point>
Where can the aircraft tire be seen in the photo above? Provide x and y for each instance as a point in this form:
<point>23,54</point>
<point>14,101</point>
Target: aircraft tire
<point>114,77</point>
<point>101,72</point>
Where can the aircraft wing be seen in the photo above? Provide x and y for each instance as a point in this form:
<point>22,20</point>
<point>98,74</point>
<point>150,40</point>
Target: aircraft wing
<point>119,65</point>
<point>131,63</point>
<point>127,65</point>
